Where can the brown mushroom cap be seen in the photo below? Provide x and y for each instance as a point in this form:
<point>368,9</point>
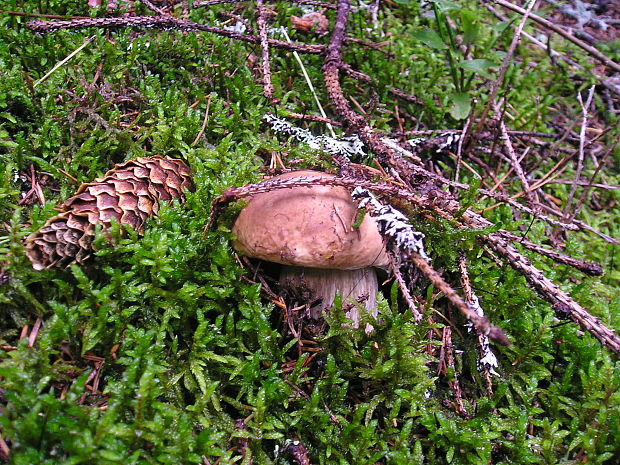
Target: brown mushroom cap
<point>309,227</point>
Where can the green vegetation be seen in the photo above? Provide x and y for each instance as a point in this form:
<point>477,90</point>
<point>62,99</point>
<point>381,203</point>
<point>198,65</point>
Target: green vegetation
<point>160,352</point>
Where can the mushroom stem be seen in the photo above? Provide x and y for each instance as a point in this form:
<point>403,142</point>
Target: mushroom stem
<point>356,287</point>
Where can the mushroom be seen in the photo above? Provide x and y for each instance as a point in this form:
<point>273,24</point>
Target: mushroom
<point>310,232</point>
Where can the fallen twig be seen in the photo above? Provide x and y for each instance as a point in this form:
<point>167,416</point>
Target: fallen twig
<point>562,303</point>
<point>164,23</point>
<point>402,285</point>
<point>486,360</point>
<point>37,15</point>
<point>64,60</point>
<point>480,323</point>
<point>591,268</point>
<point>447,368</point>
<point>570,212</point>
<point>264,43</point>
<point>513,156</point>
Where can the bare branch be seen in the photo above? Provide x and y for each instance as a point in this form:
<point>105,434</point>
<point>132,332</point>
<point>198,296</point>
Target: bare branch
<point>164,23</point>
<point>484,350</point>
<point>480,323</point>
<point>561,302</point>
<point>570,215</point>
<point>264,43</point>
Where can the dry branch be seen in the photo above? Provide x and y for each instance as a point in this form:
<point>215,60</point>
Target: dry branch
<point>591,268</point>
<point>513,156</point>
<point>483,342</point>
<point>264,43</point>
<point>480,323</point>
<point>165,23</point>
<point>447,368</point>
<point>562,303</point>
<point>570,211</point>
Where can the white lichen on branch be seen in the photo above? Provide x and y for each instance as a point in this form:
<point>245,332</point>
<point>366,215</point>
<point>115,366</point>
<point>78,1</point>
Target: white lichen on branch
<point>451,141</point>
<point>487,360</point>
<point>347,146</point>
<point>393,225</point>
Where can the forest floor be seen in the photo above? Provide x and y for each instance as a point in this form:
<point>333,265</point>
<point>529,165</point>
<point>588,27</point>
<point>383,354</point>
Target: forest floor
<point>147,339</point>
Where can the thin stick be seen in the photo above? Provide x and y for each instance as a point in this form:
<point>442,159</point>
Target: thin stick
<point>480,323</point>
<point>591,268</point>
<point>512,155</point>
<point>205,3</point>
<point>483,135</point>
<point>310,86</point>
<point>459,149</point>
<point>328,5</point>
<point>610,187</point>
<point>153,7</point>
<point>264,43</point>
<point>561,302</point>
<point>446,366</point>
<point>582,137</point>
<point>547,47</point>
<point>204,122</point>
<point>165,23</point>
<point>36,15</point>
<point>64,60</point>
<point>417,316</point>
<point>405,96</point>
<point>582,226</point>
<point>309,117</point>
<point>483,342</point>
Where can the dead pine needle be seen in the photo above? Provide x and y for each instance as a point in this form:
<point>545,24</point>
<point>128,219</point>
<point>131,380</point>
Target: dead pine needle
<point>64,60</point>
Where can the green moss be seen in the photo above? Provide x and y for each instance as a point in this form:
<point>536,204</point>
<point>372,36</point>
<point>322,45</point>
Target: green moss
<point>183,348</point>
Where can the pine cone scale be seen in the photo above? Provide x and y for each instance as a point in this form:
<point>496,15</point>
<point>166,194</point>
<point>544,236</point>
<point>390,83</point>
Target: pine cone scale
<point>130,218</point>
<point>127,202</point>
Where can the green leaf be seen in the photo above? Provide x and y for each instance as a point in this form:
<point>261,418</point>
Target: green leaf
<point>431,38</point>
<point>8,117</point>
<point>479,65</point>
<point>450,455</point>
<point>470,26</point>
<point>461,106</point>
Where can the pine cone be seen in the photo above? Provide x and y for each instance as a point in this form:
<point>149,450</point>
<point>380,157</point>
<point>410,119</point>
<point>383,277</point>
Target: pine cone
<point>129,192</point>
